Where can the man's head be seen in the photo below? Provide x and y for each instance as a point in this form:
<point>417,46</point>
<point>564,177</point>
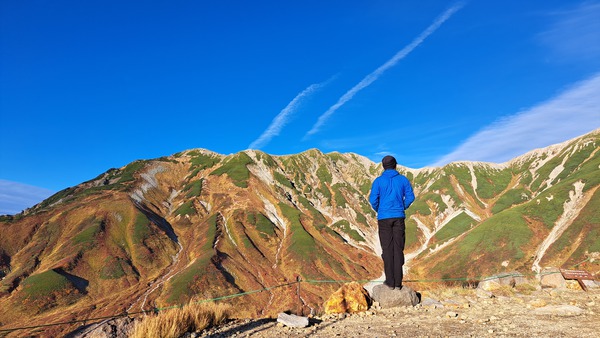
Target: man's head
<point>389,162</point>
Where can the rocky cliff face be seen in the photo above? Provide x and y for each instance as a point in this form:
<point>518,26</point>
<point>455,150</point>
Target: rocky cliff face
<point>200,225</point>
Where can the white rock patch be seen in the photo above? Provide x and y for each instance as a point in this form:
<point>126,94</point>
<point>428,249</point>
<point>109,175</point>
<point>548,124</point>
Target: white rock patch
<point>149,181</point>
<point>571,208</point>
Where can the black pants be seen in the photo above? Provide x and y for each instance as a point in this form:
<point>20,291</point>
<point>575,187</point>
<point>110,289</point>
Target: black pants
<point>392,237</point>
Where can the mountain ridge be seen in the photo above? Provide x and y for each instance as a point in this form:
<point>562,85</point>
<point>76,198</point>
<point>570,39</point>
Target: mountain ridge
<point>551,148</point>
<point>200,225</point>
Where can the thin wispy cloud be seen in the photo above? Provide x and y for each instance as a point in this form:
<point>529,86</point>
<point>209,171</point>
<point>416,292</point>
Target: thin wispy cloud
<point>369,79</point>
<point>572,113</point>
<point>575,33</point>
<point>283,117</point>
<point>16,197</point>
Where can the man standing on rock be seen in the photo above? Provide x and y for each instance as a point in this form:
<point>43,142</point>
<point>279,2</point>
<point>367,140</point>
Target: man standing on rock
<point>391,194</point>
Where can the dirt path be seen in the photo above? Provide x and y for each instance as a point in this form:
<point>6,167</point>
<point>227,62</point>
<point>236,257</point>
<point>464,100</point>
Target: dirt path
<point>461,313</point>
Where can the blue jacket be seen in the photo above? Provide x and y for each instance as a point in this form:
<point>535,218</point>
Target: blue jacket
<point>391,194</point>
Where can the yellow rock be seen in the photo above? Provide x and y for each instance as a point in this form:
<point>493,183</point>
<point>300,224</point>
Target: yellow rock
<point>351,298</point>
<point>538,302</point>
<point>573,285</point>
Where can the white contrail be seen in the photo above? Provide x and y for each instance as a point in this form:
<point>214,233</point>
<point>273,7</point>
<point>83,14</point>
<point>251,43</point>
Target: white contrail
<point>282,118</point>
<point>389,64</point>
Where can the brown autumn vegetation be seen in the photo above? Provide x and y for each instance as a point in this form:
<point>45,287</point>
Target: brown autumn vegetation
<point>175,322</point>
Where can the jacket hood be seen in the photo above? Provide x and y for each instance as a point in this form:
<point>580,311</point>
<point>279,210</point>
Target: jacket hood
<point>390,173</point>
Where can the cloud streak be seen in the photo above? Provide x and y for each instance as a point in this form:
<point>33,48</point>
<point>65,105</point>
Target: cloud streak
<point>369,79</point>
<point>283,117</point>
<point>575,34</point>
<point>572,113</point>
<point>16,197</point>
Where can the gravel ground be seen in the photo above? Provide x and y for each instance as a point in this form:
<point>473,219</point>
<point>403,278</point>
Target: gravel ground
<point>457,313</point>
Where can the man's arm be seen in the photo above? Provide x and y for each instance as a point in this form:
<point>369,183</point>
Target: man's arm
<point>374,196</point>
<point>409,195</point>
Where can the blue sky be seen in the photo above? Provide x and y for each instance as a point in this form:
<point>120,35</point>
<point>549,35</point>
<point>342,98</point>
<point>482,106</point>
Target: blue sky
<point>86,86</point>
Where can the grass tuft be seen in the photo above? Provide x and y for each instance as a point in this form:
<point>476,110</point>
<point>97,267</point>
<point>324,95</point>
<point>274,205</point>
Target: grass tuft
<point>176,322</point>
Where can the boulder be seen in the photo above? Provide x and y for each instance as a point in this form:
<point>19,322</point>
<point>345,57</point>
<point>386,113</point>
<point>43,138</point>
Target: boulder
<point>489,285</point>
<point>430,302</point>
<point>292,320</point>
<point>350,298</point>
<point>518,278</point>
<point>481,293</point>
<point>388,298</point>
<point>591,284</point>
<point>552,278</point>
<point>496,282</point>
